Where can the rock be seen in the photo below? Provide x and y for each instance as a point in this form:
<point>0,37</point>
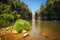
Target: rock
<point>25,33</point>
<point>46,36</point>
<point>13,31</point>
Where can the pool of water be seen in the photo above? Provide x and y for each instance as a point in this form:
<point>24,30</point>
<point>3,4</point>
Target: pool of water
<point>47,28</point>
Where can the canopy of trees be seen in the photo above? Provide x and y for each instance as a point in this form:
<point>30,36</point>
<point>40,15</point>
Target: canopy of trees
<point>51,10</point>
<point>11,10</point>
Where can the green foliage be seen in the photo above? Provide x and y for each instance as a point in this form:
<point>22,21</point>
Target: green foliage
<point>21,24</point>
<point>4,23</point>
<point>11,10</point>
<point>51,10</point>
<point>8,17</point>
<point>20,7</point>
<point>42,8</point>
<point>23,10</point>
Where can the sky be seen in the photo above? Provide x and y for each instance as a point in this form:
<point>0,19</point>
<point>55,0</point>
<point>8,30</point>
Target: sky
<point>34,4</point>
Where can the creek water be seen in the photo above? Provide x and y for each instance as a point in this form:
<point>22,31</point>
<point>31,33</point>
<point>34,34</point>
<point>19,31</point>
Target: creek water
<point>46,28</point>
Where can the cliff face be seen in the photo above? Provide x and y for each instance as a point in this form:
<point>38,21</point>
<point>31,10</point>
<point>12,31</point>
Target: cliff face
<point>51,12</point>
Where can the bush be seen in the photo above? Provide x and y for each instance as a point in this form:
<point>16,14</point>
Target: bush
<point>5,20</point>
<point>7,17</point>
<point>21,24</point>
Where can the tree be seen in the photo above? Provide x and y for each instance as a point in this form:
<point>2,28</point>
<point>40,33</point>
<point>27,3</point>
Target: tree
<point>7,17</point>
<point>11,10</point>
<point>51,10</point>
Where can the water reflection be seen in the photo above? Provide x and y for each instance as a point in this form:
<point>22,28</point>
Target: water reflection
<point>50,28</point>
<point>33,23</point>
<point>34,28</point>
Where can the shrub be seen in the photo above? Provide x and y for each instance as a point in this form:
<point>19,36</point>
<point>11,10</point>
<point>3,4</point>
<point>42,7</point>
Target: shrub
<point>21,24</point>
<point>5,20</point>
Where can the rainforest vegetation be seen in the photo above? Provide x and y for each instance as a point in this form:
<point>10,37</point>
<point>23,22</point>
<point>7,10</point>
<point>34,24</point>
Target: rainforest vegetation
<point>12,10</point>
<point>50,10</point>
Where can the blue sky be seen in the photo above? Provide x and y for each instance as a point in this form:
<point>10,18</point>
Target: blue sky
<point>34,4</point>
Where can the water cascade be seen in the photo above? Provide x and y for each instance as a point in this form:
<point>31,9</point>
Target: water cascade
<point>34,30</point>
<point>33,23</point>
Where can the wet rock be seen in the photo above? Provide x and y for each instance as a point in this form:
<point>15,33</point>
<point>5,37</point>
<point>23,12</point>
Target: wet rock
<point>46,36</point>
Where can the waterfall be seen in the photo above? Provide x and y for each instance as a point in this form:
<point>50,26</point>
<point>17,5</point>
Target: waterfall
<point>33,23</point>
<point>33,16</point>
<point>35,29</point>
